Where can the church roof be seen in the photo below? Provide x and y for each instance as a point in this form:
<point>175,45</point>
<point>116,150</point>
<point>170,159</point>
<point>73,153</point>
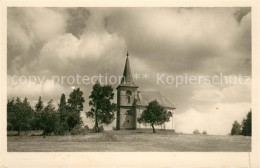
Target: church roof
<point>144,97</point>
<point>127,79</point>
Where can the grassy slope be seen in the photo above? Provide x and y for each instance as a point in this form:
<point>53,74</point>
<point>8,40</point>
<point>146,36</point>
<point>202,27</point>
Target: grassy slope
<point>130,140</point>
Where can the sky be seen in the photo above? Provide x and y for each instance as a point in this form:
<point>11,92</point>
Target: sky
<point>169,42</point>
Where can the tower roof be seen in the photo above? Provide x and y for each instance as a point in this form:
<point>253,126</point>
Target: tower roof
<point>127,79</point>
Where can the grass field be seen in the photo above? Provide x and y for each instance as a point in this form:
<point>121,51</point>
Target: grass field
<point>130,141</point>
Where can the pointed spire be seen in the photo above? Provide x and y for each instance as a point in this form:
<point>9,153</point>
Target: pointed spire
<point>127,71</point>
<point>127,79</point>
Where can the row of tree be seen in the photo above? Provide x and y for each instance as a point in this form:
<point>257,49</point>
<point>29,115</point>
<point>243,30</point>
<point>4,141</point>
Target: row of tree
<point>245,128</point>
<point>22,117</point>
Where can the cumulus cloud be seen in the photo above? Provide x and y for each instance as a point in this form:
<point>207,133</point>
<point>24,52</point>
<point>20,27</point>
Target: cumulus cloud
<point>188,39</point>
<point>69,51</point>
<point>45,22</point>
<point>28,29</point>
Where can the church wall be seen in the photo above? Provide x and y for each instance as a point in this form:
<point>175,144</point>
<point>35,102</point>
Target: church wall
<point>126,121</point>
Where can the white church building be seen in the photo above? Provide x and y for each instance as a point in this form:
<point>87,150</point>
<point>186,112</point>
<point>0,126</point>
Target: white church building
<point>131,102</point>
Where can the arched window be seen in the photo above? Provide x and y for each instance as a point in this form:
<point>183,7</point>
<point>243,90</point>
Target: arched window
<point>128,96</point>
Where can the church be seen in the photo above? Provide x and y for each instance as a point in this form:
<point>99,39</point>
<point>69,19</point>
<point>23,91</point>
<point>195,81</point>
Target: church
<point>131,102</point>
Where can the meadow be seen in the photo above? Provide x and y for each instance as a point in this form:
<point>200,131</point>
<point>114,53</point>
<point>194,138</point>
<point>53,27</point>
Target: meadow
<point>129,141</point>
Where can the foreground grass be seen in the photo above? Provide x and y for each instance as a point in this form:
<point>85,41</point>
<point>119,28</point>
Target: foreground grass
<point>129,140</point>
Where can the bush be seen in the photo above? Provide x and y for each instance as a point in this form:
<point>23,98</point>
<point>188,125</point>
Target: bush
<point>204,132</point>
<point>79,130</point>
<point>196,132</point>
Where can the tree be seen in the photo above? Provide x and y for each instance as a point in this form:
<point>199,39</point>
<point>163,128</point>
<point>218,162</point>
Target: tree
<point>247,124</point>
<point>75,106</point>
<point>63,115</point>
<point>154,114</point>
<point>76,100</point>
<point>48,119</point>
<point>36,115</point>
<point>236,128</point>
<point>25,102</point>
<point>196,132</point>
<point>19,115</point>
<point>10,112</point>
<point>39,105</point>
<point>102,109</point>
<point>63,102</point>
<point>204,132</point>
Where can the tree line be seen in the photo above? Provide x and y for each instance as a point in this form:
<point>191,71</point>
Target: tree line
<point>245,128</point>
<point>21,116</point>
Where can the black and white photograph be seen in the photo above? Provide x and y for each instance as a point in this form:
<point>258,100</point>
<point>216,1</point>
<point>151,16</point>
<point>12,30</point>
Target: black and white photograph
<point>129,79</point>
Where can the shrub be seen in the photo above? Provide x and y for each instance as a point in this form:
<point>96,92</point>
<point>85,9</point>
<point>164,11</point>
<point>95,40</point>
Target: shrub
<point>204,132</point>
<point>196,132</point>
<point>79,130</point>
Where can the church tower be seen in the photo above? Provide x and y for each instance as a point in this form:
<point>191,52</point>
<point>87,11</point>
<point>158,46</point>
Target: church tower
<point>126,96</point>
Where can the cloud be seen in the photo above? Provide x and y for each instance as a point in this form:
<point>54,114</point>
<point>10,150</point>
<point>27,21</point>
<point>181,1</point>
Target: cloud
<point>28,29</point>
<point>188,40</point>
<point>193,40</point>
<point>226,93</point>
<point>23,88</point>
<point>69,51</point>
<point>76,22</point>
<point>45,23</point>
<point>206,95</point>
<point>216,121</point>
